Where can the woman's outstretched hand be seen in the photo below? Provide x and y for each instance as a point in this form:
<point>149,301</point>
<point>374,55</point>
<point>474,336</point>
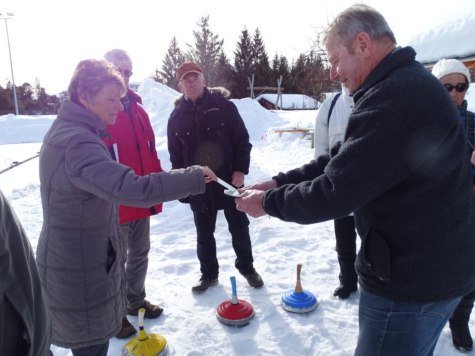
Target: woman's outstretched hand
<point>208,174</point>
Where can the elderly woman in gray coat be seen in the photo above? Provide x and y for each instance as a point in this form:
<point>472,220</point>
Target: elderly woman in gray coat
<point>79,248</point>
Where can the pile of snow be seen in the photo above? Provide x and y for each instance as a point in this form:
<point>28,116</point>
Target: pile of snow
<point>158,100</point>
<point>23,129</point>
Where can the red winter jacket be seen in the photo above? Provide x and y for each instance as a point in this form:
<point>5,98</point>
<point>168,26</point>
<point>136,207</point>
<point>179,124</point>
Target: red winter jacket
<point>132,143</point>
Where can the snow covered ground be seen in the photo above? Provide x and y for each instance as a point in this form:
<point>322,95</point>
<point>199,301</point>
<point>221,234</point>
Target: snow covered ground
<point>189,321</point>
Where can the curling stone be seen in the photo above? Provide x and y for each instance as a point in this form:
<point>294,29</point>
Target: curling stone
<point>235,312</point>
<point>145,344</point>
<point>299,300</point>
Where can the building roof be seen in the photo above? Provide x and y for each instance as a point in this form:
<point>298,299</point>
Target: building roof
<point>453,39</point>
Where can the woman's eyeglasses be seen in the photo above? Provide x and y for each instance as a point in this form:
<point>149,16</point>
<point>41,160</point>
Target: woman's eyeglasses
<point>125,72</point>
<point>459,87</point>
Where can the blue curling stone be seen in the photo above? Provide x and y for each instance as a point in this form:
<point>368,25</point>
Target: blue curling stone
<point>299,302</point>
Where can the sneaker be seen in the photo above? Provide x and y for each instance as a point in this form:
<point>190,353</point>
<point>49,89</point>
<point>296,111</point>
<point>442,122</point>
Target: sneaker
<point>203,284</point>
<point>344,292</point>
<point>461,337</point>
<point>152,311</point>
<point>254,279</point>
<point>127,329</point>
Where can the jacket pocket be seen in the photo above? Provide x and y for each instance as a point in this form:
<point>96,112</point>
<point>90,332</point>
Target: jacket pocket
<point>111,256</point>
<point>376,255</point>
<point>186,136</point>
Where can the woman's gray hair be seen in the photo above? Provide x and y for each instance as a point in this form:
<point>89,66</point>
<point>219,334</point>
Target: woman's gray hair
<point>91,76</point>
<point>117,57</point>
<point>358,18</point>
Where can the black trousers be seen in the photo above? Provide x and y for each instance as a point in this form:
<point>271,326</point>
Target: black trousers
<point>238,226</point>
<point>346,250</point>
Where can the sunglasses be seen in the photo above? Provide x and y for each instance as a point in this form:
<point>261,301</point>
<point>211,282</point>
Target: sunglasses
<point>459,87</point>
<point>125,72</point>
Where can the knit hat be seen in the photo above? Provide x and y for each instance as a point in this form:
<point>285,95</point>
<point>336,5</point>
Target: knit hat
<point>450,66</point>
<point>188,67</point>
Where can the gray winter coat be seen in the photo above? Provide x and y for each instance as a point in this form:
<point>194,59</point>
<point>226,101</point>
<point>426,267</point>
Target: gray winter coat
<point>25,327</point>
<point>79,249</point>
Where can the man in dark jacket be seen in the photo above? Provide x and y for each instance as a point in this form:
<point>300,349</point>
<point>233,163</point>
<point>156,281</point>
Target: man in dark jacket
<point>25,327</point>
<point>400,171</point>
<point>206,128</point>
<point>131,141</point>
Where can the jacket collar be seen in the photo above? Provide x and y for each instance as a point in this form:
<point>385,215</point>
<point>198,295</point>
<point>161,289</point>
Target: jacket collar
<point>463,108</point>
<point>75,113</point>
<point>399,57</point>
<point>200,99</point>
<point>133,96</point>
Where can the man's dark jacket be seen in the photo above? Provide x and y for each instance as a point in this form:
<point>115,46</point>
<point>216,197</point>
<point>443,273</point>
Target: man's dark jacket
<point>209,133</point>
<point>402,171</point>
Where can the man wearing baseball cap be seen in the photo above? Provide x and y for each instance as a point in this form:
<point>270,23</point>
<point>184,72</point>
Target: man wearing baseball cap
<point>206,128</point>
<point>456,79</point>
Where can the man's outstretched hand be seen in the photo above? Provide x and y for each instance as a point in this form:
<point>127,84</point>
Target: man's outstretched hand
<point>251,202</point>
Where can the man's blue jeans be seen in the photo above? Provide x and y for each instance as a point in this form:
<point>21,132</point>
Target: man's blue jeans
<point>388,327</point>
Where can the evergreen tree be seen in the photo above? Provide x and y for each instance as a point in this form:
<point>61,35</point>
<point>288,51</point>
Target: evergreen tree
<point>157,76</point>
<point>243,65</point>
<point>25,98</point>
<point>6,101</point>
<point>280,67</point>
<point>297,74</point>
<point>262,70</point>
<point>173,59</point>
<point>32,100</point>
<point>275,68</point>
<point>43,104</point>
<point>224,72</point>
<point>310,77</point>
<point>206,50</point>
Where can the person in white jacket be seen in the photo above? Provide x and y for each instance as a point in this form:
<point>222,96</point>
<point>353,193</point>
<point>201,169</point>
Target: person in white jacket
<point>330,128</point>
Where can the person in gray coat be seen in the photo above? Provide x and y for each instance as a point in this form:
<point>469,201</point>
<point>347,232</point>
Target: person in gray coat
<point>25,327</point>
<point>79,247</point>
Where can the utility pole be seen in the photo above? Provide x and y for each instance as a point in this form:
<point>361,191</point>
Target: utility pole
<point>8,16</point>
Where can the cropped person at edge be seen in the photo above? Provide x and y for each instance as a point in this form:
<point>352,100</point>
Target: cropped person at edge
<point>456,79</point>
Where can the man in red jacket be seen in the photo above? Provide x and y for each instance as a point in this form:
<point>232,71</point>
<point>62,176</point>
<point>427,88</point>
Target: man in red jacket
<point>132,143</point>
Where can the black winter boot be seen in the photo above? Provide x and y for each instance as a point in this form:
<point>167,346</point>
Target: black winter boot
<point>344,291</point>
<point>461,337</point>
<point>458,323</point>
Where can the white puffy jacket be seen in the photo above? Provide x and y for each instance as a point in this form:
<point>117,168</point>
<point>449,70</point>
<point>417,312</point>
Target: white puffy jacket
<point>329,132</point>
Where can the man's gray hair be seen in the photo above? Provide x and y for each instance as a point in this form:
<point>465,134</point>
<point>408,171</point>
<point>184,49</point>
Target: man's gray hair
<point>117,56</point>
<point>358,18</point>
